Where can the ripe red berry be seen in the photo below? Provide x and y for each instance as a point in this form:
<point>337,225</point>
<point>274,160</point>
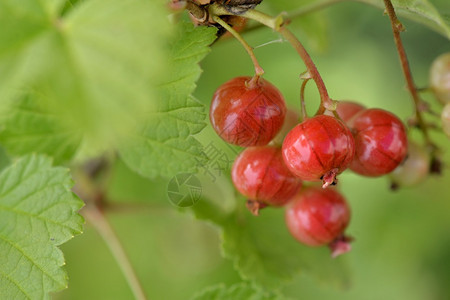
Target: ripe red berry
<point>414,168</point>
<point>440,77</point>
<point>247,113</point>
<point>318,149</point>
<point>380,142</point>
<point>318,217</point>
<point>259,173</point>
<point>346,110</point>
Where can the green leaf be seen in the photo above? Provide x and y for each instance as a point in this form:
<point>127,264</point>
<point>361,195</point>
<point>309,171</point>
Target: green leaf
<point>236,291</point>
<point>22,25</point>
<point>96,67</point>
<point>165,144</point>
<point>264,252</point>
<point>28,126</point>
<point>38,212</point>
<point>422,11</point>
<point>4,159</point>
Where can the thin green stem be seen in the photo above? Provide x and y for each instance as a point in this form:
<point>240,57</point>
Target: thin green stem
<point>312,7</point>
<point>258,70</point>
<point>325,101</point>
<point>101,224</point>
<point>397,27</point>
<point>304,114</point>
<point>278,25</point>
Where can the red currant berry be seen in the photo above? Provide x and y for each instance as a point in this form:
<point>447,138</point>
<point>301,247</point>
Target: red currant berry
<point>318,149</point>
<point>346,110</point>
<point>440,77</point>
<point>259,173</point>
<point>414,168</point>
<point>247,113</point>
<point>318,217</point>
<point>380,142</point>
<point>445,118</point>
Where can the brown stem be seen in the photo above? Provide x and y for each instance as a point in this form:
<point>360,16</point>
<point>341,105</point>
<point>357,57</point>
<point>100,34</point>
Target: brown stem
<point>397,27</point>
<point>325,101</point>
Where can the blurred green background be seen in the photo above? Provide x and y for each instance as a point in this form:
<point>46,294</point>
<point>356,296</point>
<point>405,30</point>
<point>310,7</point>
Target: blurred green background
<point>402,247</point>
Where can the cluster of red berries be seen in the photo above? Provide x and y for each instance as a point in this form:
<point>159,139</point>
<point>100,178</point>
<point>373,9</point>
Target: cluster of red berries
<point>250,112</point>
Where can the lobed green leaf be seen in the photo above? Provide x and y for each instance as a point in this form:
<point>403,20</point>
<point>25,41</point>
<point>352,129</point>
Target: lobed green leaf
<point>38,212</point>
<point>264,252</point>
<point>28,126</point>
<point>165,145</point>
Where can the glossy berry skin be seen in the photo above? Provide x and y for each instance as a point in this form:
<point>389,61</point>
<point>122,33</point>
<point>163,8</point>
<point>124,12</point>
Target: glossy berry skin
<point>259,173</point>
<point>317,147</point>
<point>440,77</point>
<point>380,142</point>
<point>317,217</point>
<point>247,115</point>
<point>445,118</point>
<point>414,169</point>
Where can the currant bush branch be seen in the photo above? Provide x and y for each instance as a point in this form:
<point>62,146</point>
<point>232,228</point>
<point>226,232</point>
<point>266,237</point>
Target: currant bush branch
<point>397,28</point>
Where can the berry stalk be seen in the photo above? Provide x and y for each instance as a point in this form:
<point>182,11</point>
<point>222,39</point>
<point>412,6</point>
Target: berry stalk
<point>258,70</point>
<point>278,25</point>
<point>304,115</point>
<point>101,224</point>
<point>398,27</point>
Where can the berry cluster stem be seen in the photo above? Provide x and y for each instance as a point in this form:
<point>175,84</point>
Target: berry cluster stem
<point>101,224</point>
<point>398,27</point>
<point>258,70</point>
<point>325,101</point>
<point>279,26</point>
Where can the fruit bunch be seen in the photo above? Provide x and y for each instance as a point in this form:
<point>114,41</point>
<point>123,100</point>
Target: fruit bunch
<point>251,112</point>
<point>284,152</point>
